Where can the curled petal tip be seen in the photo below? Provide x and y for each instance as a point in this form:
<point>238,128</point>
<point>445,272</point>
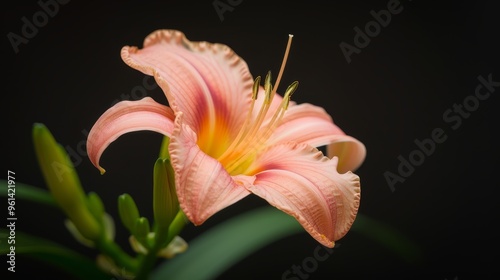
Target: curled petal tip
<point>328,243</point>
<point>101,170</point>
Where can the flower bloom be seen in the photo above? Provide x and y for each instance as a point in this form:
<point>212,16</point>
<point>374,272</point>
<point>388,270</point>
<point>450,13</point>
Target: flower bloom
<point>230,137</point>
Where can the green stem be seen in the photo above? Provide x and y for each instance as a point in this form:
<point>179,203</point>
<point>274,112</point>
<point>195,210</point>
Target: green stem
<point>176,226</point>
<point>147,263</point>
<point>121,258</point>
<point>149,260</point>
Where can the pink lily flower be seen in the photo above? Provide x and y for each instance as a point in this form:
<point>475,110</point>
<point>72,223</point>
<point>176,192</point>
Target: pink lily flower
<point>230,137</point>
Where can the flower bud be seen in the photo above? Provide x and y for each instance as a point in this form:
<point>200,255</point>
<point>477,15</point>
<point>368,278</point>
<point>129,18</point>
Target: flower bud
<point>165,203</point>
<point>142,232</point>
<point>95,205</point>
<point>128,211</point>
<point>63,182</point>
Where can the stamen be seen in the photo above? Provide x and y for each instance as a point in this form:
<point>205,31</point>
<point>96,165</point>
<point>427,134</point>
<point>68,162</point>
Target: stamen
<point>268,88</point>
<point>251,147</point>
<point>288,93</point>
<point>278,115</point>
<point>284,103</point>
<point>251,137</point>
<point>244,128</point>
<point>255,88</point>
<point>265,107</point>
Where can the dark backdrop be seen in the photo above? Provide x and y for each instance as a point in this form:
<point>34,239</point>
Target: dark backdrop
<point>396,90</point>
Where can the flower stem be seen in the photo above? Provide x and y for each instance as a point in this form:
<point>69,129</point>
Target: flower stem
<point>147,263</point>
<point>121,258</point>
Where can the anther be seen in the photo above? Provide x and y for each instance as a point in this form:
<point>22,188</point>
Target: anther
<point>268,87</point>
<point>288,93</point>
<point>255,88</point>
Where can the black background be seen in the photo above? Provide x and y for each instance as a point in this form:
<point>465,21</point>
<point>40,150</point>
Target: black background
<point>394,91</point>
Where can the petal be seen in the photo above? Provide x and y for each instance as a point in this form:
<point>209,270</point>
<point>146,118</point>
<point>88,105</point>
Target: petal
<point>203,185</point>
<point>349,150</point>
<point>175,247</point>
<point>124,117</point>
<point>208,82</point>
<point>137,246</point>
<point>299,180</point>
<point>306,123</point>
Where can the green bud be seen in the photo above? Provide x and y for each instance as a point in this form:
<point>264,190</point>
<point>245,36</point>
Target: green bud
<point>142,230</point>
<point>63,181</point>
<point>128,212</point>
<point>165,202</point>
<point>164,153</point>
<point>109,226</point>
<point>95,205</point>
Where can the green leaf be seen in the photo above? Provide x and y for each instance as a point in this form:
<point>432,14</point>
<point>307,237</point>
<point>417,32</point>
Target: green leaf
<point>57,255</point>
<point>31,193</point>
<point>387,236</point>
<point>219,248</point>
